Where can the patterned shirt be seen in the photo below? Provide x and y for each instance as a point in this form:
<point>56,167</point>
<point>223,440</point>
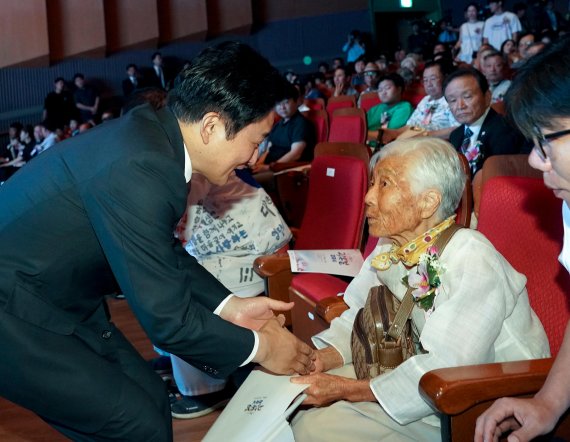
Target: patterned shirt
<point>432,114</point>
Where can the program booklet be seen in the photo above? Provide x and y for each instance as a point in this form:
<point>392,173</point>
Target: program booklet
<point>259,410</point>
<point>345,262</point>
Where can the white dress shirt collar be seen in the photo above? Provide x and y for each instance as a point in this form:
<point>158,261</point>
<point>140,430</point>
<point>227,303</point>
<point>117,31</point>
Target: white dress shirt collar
<point>187,165</point>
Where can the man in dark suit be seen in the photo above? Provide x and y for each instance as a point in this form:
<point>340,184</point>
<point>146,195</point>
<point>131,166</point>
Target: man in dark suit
<point>157,75</point>
<point>98,211</point>
<point>483,132</point>
<point>132,81</point>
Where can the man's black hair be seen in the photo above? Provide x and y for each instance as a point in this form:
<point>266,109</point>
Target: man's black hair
<point>231,79</point>
<point>444,66</point>
<point>58,79</point>
<point>540,92</point>
<point>394,78</point>
<point>131,65</point>
<point>78,75</point>
<point>467,72</point>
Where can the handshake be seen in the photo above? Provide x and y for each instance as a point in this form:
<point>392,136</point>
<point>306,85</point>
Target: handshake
<point>279,350</point>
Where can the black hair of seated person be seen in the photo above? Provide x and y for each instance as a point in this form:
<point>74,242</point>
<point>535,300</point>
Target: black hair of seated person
<point>231,79</point>
<point>445,66</point>
<point>540,92</point>
<point>467,72</point>
<point>396,79</point>
<point>290,93</point>
<point>155,96</point>
<point>17,126</point>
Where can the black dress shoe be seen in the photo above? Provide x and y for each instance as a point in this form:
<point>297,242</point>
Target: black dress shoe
<point>190,407</point>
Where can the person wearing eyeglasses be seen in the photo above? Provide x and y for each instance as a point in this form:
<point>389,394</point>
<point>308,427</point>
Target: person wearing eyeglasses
<point>539,104</point>
<point>432,117</point>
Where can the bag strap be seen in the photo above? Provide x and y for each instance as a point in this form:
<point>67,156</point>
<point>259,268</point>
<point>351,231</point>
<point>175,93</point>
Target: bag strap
<point>407,305</point>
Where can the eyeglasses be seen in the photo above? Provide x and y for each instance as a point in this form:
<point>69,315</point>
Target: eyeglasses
<point>371,74</point>
<point>544,140</point>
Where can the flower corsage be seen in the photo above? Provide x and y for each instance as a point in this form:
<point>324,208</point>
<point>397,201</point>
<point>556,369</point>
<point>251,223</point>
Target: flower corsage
<point>473,152</point>
<point>425,278</point>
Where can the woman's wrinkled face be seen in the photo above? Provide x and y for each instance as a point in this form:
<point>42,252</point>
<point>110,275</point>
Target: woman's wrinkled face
<point>391,206</point>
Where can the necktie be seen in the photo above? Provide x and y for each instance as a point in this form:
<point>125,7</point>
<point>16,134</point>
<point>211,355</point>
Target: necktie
<point>466,140</point>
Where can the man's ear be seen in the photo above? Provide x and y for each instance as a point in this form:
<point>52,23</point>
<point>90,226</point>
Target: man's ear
<point>210,123</point>
<point>430,200</point>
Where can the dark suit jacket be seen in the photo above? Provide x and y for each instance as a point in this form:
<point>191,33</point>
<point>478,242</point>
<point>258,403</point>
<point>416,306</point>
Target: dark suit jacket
<point>129,87</point>
<point>496,135</point>
<point>100,209</point>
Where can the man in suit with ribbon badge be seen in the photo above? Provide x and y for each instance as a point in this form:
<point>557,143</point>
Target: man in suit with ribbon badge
<point>483,132</point>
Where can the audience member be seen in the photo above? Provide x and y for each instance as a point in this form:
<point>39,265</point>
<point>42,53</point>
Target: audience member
<point>11,155</point>
<point>509,52</point>
<point>483,132</point>
<point>359,65</point>
<point>157,76</point>
<point>448,34</point>
<point>107,202</point>
<point>342,83</point>
<point>470,35</point>
<point>392,112</point>
<point>432,116</point>
<point>27,140</point>
<point>49,138</point>
<point>353,47</point>
<point>292,138</point>
<point>494,70</point>
<point>86,99</point>
<point>225,228</point>
<point>371,77</point>
<point>539,104</point>
<point>337,62</point>
<point>477,311</point>
<point>132,82</point>
<point>59,106</point>
<point>502,25</point>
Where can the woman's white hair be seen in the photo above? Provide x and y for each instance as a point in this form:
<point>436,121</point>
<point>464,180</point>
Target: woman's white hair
<point>435,164</point>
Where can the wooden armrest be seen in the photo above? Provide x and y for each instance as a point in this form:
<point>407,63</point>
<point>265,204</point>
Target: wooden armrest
<point>278,167</point>
<point>271,265</point>
<point>276,270</point>
<point>330,308</point>
<point>454,390</point>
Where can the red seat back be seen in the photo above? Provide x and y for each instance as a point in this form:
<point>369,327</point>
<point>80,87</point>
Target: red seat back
<point>315,103</point>
<point>334,214</point>
<point>523,220</point>
<point>368,100</point>
<point>340,102</point>
<point>320,120</point>
<point>348,125</point>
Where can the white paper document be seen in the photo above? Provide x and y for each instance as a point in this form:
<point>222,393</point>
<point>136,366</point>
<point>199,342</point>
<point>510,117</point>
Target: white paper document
<point>259,410</point>
<point>345,262</point>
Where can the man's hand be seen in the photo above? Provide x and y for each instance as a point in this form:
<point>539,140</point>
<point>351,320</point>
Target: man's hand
<point>528,417</point>
<point>281,352</point>
<point>252,313</point>
<point>327,388</point>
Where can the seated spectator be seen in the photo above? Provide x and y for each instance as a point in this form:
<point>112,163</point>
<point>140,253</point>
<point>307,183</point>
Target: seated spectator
<point>49,138</point>
<point>73,127</point>
<point>86,99</point>
<point>338,62</point>
<point>509,52</point>
<point>342,83</point>
<point>477,312</point>
<point>225,228</point>
<point>392,112</point>
<point>525,42</point>
<point>483,132</point>
<point>292,138</point>
<point>11,155</point>
<point>371,76</point>
<point>432,116</point>
<point>359,65</point>
<point>27,140</point>
<point>483,51</point>
<point>311,89</point>
<point>494,70</point>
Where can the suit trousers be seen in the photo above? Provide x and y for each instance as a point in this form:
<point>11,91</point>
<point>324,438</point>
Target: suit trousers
<point>90,384</point>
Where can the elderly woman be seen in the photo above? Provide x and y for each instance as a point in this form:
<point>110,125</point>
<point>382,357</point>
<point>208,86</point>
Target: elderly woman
<point>480,314</point>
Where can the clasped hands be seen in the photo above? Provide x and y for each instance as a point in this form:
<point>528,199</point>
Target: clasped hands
<point>279,350</point>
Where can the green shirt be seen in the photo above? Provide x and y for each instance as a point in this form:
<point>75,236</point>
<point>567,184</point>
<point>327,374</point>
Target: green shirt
<point>397,115</point>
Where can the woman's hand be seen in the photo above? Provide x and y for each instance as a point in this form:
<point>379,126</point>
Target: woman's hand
<point>326,388</point>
